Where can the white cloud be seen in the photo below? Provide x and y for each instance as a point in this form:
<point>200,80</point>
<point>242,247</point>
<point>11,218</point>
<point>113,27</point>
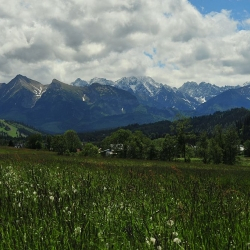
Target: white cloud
<point>112,38</point>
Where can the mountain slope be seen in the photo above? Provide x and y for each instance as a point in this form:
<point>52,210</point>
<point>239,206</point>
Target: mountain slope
<point>13,91</point>
<point>64,106</point>
<point>15,129</point>
<point>203,91</point>
<point>19,95</point>
<point>151,93</point>
<point>232,98</point>
<point>101,103</point>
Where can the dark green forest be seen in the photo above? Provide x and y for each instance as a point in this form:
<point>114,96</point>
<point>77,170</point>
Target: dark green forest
<point>217,138</point>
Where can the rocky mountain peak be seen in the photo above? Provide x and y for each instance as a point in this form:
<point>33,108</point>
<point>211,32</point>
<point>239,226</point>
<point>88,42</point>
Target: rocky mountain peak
<point>80,83</point>
<point>102,81</point>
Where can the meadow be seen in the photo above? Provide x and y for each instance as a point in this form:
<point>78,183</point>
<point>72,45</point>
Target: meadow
<point>72,202</point>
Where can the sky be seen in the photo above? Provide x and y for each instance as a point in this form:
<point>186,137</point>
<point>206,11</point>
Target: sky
<point>172,41</point>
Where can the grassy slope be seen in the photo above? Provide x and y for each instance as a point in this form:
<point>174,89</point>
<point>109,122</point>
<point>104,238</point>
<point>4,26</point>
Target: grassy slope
<point>13,129</point>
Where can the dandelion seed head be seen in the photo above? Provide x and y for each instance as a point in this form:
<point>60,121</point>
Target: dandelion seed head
<point>175,234</point>
<point>170,223</point>
<point>153,240</point>
<point>177,240</point>
<point>78,230</point>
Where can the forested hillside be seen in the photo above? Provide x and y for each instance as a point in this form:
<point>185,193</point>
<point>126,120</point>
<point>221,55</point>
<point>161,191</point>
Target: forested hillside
<point>239,117</point>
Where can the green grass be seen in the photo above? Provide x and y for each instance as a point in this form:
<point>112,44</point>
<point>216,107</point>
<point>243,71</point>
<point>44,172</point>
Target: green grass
<point>11,131</point>
<point>51,202</point>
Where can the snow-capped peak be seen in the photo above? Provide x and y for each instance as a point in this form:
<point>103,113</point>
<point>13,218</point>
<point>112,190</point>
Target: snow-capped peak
<point>139,84</point>
<point>102,81</point>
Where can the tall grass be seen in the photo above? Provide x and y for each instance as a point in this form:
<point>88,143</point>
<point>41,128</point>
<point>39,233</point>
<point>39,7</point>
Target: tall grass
<point>74,203</point>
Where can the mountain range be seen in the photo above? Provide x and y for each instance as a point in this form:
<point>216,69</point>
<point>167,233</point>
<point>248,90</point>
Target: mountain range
<point>102,104</point>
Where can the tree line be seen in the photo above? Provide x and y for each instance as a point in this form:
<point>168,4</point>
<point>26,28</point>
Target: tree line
<point>219,145</point>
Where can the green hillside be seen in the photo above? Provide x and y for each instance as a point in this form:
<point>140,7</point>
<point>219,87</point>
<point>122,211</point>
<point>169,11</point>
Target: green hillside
<point>15,129</point>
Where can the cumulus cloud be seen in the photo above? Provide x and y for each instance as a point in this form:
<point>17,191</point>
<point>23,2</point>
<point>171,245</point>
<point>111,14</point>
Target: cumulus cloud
<point>171,41</point>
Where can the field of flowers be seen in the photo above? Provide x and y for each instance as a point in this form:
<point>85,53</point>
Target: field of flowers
<point>50,202</point>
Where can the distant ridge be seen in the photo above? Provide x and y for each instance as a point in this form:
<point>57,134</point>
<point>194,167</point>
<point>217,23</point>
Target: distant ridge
<point>101,103</point>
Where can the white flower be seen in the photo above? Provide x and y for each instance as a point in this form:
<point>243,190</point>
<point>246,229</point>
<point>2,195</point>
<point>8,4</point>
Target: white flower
<point>153,240</point>
<point>78,230</point>
<point>175,234</point>
<point>170,223</point>
<point>51,198</point>
<point>159,248</point>
<point>177,240</point>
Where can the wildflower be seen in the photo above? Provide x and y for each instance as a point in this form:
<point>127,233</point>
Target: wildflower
<point>175,234</point>
<point>177,240</point>
<point>170,223</point>
<point>159,248</point>
<point>51,198</point>
<point>153,240</point>
<point>78,230</point>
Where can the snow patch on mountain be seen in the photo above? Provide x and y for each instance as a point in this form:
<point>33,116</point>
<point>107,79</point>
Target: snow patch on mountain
<point>38,91</point>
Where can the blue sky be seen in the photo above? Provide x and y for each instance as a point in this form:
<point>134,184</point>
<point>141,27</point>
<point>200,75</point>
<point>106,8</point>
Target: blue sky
<point>240,9</point>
